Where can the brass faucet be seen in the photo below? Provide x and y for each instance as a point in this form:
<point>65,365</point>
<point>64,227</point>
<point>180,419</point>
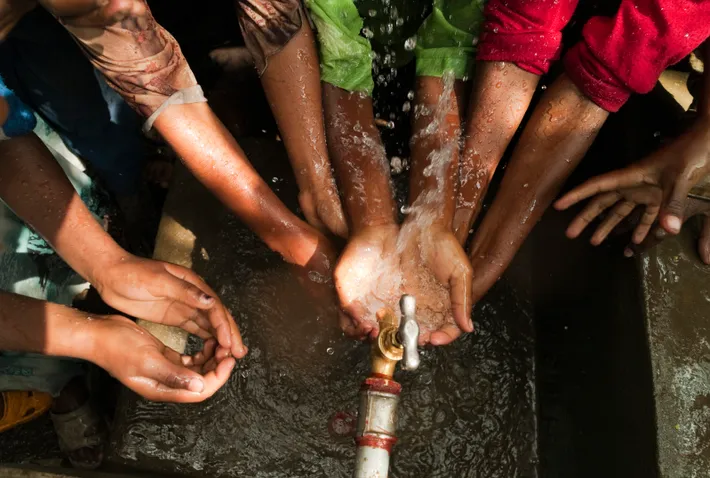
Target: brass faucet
<point>397,340</point>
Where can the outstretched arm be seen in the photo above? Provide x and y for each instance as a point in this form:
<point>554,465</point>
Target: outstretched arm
<point>37,190</point>
<point>292,85</point>
<point>134,357</point>
<point>500,97</point>
<point>435,268</point>
<point>561,129</point>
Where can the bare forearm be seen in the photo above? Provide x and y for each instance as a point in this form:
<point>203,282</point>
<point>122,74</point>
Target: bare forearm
<point>30,325</point>
<point>359,158</point>
<point>560,131</point>
<point>38,191</point>
<point>292,86</point>
<point>435,149</point>
<point>500,97</point>
<point>215,158</point>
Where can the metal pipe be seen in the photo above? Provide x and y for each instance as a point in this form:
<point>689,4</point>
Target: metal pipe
<point>377,424</point>
<point>379,393</point>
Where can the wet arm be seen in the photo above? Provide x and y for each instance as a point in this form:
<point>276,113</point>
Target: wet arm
<point>291,82</point>
<point>215,158</point>
<point>359,158</point>
<point>34,186</point>
<point>560,131</point>
<point>500,97</point>
<point>30,325</point>
<point>435,149</point>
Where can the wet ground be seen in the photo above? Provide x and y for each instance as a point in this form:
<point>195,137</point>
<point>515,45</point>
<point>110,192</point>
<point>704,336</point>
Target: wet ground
<point>468,411</point>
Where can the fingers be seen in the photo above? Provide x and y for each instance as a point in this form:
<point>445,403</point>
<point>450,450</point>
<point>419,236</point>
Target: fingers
<point>445,335</point>
<point>657,235</point>
<point>239,350</point>
<point>174,383</point>
<point>647,220</point>
<point>622,178</point>
<point>616,215</point>
<point>356,329</point>
<point>595,207</point>
<point>460,291</point>
<point>188,288</point>
<point>673,210</point>
<point>704,241</point>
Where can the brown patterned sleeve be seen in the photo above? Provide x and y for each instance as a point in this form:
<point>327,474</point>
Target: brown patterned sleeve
<point>267,25</point>
<point>139,59</point>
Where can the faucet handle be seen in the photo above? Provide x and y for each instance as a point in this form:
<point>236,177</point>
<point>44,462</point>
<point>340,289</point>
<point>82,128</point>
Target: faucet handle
<point>408,334</point>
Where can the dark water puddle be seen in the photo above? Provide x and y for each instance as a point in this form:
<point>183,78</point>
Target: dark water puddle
<point>469,411</point>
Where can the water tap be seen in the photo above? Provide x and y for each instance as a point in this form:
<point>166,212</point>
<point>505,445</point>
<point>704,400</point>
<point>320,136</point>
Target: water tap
<point>408,334</point>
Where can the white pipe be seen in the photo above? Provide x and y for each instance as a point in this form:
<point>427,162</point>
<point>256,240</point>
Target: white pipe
<point>371,462</point>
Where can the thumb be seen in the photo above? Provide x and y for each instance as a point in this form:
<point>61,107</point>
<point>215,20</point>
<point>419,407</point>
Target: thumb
<point>460,290</point>
<point>189,294</point>
<point>173,377</point>
<point>672,212</point>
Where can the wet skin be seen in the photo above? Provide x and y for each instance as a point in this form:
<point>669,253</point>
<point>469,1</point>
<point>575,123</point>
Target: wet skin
<point>660,183</point>
<point>132,355</point>
<point>500,96</point>
<point>292,86</point>
<point>366,276</point>
<point>37,190</point>
<point>561,129</point>
<point>434,266</point>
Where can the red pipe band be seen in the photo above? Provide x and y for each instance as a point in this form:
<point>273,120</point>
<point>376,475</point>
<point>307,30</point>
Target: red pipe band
<point>376,442</point>
<point>381,385</point>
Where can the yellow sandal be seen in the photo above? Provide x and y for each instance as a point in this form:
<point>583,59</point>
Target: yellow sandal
<point>22,407</point>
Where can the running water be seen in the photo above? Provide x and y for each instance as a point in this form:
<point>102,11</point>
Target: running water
<point>289,408</point>
<point>434,307</point>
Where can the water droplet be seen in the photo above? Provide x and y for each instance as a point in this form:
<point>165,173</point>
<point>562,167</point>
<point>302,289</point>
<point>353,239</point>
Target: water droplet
<point>474,42</point>
<point>410,95</point>
<point>543,87</point>
<point>390,28</point>
<point>406,106</point>
<point>399,22</point>
<point>372,12</point>
<point>656,134</point>
<point>330,350</point>
<point>525,185</point>
<point>396,164</point>
<point>495,30</point>
<point>367,33</point>
<point>390,125</point>
<point>686,35</point>
<point>274,179</point>
<point>410,43</point>
<point>405,210</point>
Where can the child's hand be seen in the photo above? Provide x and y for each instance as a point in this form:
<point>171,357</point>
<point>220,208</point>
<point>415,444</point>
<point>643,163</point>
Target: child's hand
<point>142,363</point>
<point>368,279</point>
<point>673,170</point>
<point>437,272</point>
<point>624,201</point>
<point>168,294</point>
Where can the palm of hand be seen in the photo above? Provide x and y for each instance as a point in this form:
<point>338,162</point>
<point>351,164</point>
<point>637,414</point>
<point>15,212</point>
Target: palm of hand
<point>437,273</point>
<point>368,278</point>
<point>145,365</point>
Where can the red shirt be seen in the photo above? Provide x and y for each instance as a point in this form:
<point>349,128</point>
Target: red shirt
<point>617,56</point>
